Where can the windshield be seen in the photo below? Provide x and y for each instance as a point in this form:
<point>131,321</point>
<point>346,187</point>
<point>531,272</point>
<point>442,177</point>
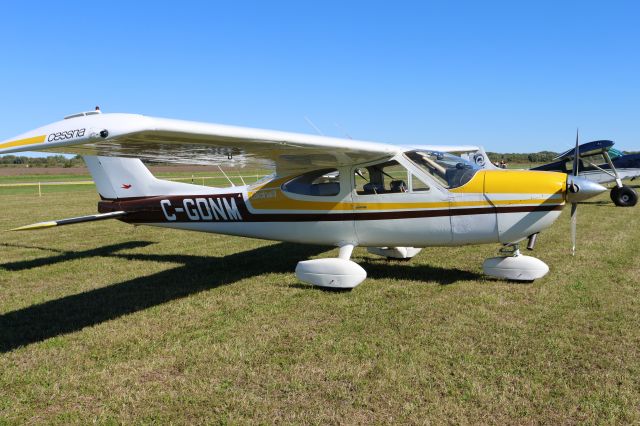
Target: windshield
<point>451,171</point>
<point>614,153</point>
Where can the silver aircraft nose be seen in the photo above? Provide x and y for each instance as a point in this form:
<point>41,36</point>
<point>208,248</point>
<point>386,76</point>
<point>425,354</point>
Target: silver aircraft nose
<point>580,189</point>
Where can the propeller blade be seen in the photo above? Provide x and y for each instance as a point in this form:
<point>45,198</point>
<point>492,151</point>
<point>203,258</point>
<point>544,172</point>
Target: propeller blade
<point>574,223</point>
<point>574,206</point>
<point>576,156</point>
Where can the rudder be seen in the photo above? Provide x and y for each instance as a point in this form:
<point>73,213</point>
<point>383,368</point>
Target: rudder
<point>117,177</point>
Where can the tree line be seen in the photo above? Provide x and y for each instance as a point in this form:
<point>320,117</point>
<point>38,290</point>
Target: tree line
<point>50,161</point>
<point>514,157</point>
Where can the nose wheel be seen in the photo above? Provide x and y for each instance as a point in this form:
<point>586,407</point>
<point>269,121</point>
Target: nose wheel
<point>514,266</point>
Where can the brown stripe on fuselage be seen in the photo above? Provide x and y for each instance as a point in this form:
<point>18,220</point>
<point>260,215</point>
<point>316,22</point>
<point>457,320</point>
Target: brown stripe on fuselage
<point>149,210</point>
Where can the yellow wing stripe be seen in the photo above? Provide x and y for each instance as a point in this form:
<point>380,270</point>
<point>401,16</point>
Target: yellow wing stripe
<point>23,142</point>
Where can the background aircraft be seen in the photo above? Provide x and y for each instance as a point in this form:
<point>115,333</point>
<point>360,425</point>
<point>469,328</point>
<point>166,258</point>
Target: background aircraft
<point>599,162</point>
<point>327,191</point>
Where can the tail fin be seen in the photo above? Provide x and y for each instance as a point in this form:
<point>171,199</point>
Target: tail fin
<point>118,177</point>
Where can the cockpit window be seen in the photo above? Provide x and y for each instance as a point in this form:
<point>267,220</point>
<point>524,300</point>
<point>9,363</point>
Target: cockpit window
<point>614,153</point>
<point>451,171</point>
<point>319,183</point>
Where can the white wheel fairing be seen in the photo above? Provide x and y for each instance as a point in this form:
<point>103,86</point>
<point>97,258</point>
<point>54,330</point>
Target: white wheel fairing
<point>516,268</point>
<point>331,273</point>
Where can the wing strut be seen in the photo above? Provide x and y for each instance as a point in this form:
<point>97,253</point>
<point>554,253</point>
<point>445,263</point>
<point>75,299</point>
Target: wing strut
<point>70,221</point>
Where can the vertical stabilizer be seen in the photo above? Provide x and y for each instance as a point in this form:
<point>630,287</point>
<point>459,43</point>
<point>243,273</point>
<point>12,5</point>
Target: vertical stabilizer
<point>118,177</point>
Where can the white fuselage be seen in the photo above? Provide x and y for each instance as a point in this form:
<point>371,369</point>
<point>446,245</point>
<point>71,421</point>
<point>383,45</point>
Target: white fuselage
<point>493,207</point>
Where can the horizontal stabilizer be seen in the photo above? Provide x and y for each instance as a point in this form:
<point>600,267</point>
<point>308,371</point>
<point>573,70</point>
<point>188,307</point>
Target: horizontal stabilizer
<point>70,221</point>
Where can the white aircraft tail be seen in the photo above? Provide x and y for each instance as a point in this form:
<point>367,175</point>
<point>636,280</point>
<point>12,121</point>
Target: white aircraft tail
<point>118,177</point>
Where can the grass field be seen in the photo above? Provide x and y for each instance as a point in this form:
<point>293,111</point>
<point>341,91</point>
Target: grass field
<point>104,322</point>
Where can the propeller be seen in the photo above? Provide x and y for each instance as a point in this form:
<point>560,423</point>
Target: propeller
<point>579,189</point>
<point>574,205</point>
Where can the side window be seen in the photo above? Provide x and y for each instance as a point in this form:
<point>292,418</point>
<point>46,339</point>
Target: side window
<point>417,185</point>
<point>569,165</point>
<point>319,183</point>
<point>362,178</point>
<point>594,159</point>
<point>385,178</point>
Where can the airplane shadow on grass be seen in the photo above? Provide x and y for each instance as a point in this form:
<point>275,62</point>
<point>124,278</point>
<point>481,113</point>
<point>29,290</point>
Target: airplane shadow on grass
<point>195,274</point>
<point>598,203</point>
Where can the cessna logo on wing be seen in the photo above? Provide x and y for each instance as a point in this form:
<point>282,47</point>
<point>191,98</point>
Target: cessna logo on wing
<point>70,134</point>
<point>202,209</point>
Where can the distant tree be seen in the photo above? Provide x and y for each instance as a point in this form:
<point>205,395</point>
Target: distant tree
<point>50,161</point>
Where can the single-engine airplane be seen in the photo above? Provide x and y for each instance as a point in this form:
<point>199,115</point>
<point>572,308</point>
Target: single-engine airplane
<point>599,162</point>
<point>327,191</point>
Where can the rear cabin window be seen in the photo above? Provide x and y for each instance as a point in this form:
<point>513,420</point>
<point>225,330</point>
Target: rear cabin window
<point>319,183</point>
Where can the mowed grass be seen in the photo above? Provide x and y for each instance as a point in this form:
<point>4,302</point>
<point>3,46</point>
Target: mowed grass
<point>104,322</point>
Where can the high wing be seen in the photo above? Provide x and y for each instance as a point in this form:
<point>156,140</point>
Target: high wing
<point>587,149</point>
<point>187,142</point>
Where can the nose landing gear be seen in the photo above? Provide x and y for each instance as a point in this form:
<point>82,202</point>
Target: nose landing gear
<point>514,266</point>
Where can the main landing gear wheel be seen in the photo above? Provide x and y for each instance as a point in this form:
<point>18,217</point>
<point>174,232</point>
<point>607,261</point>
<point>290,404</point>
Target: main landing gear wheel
<point>334,273</point>
<point>624,196</point>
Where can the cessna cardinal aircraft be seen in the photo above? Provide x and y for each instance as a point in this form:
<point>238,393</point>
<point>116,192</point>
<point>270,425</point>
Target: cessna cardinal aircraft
<point>328,191</point>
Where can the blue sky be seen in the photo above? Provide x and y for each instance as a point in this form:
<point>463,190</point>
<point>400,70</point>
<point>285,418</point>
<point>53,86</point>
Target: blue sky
<point>512,76</point>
